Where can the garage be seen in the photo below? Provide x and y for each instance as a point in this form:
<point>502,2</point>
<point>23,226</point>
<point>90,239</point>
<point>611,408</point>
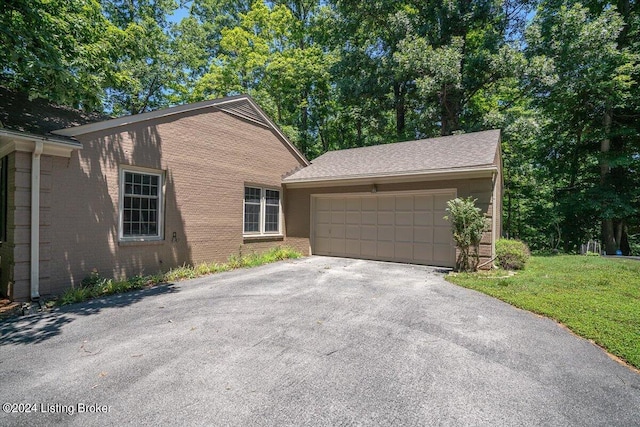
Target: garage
<point>387,202</point>
<point>402,227</point>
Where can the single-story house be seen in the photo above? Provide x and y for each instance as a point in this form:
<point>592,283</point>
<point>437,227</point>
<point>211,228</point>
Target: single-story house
<point>200,182</point>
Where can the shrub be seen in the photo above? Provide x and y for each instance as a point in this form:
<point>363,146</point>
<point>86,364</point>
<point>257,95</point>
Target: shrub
<point>511,254</point>
<point>467,224</point>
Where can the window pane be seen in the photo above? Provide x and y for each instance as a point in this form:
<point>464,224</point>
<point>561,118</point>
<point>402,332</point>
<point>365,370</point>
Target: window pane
<point>271,218</point>
<point>252,194</point>
<point>272,197</point>
<point>251,218</point>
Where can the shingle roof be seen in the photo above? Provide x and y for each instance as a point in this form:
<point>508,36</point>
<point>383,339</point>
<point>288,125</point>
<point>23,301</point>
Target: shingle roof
<point>39,116</point>
<point>471,150</point>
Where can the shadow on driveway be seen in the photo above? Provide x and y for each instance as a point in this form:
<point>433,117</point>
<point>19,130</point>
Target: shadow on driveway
<point>40,327</point>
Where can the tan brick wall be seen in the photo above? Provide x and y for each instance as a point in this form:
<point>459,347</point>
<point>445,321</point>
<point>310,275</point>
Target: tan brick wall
<point>297,208</point>
<point>207,157</point>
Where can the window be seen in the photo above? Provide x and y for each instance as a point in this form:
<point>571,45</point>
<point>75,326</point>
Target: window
<point>141,205</point>
<point>261,211</point>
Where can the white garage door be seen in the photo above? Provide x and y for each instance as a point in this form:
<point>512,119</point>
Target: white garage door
<point>390,227</point>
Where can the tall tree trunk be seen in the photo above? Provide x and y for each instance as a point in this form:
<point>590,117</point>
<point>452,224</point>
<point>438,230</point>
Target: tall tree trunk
<point>449,110</point>
<point>607,228</point>
<point>399,96</point>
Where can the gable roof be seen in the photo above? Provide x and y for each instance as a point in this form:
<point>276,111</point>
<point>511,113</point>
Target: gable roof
<point>242,106</point>
<point>456,153</point>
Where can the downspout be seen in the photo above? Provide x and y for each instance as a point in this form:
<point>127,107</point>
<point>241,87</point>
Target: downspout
<point>35,220</point>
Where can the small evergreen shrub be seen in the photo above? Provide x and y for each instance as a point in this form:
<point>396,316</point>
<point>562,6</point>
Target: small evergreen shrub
<point>511,254</point>
<point>467,225</point>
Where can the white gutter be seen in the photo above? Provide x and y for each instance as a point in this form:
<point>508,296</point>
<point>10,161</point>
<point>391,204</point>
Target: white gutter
<point>35,220</point>
<point>393,177</point>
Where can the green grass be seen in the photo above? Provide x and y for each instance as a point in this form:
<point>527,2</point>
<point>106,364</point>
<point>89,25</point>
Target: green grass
<point>597,298</point>
<point>95,286</point>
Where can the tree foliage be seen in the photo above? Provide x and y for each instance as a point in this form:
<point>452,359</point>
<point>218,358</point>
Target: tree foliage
<point>467,226</point>
<point>559,77</point>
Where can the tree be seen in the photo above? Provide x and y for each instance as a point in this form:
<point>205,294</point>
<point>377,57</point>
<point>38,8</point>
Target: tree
<point>584,82</point>
<point>61,50</point>
<point>467,225</point>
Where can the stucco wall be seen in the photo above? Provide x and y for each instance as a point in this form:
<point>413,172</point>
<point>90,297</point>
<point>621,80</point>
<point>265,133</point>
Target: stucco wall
<point>206,157</point>
<point>298,205</point>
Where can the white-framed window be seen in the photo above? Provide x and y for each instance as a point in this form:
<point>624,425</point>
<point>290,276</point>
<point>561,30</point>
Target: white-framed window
<point>141,204</point>
<point>261,211</point>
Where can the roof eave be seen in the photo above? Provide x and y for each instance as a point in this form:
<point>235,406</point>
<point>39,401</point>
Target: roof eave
<point>485,171</point>
<point>24,141</point>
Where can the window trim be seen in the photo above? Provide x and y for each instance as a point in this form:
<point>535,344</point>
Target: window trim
<point>161,191</point>
<point>263,208</point>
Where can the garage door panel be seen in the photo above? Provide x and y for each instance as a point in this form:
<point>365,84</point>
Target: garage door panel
<point>385,218</point>
<point>404,218</point>
<point>438,219</point>
<point>323,230</point>
<point>323,217</point>
<point>369,233</point>
<point>337,217</point>
<point>423,234</point>
<point>369,218</point>
<point>337,231</point>
<point>352,247</point>
<point>404,203</point>
<point>323,245</point>
<point>423,218</point>
<point>442,254</point>
<point>368,249</point>
<point>404,251</point>
<point>442,235</point>
<point>323,205</point>
<point>404,234</point>
<point>386,203</point>
<point>354,218</point>
<point>440,201</point>
<point>338,204</point>
<point>353,204</point>
<point>423,203</point>
<point>386,233</point>
<point>369,204</point>
<point>423,253</point>
<point>386,250</point>
<point>337,246</point>
<point>352,232</point>
<point>393,227</point>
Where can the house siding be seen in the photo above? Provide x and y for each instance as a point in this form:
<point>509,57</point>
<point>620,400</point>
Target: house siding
<point>206,157</point>
<point>298,206</point>
<point>7,248</point>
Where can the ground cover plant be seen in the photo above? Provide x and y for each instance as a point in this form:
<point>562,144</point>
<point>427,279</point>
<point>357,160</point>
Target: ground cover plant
<point>95,285</point>
<point>598,298</point>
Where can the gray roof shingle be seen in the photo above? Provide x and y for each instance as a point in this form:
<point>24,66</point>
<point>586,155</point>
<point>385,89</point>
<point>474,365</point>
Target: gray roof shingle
<point>39,116</point>
<point>470,150</point>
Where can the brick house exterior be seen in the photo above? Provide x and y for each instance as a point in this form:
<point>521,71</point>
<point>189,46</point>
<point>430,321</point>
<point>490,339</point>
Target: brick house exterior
<point>200,182</point>
<point>204,156</point>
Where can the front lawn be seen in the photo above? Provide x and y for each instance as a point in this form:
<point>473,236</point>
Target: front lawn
<point>597,298</point>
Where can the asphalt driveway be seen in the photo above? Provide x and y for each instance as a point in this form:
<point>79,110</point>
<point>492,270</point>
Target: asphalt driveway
<point>316,341</point>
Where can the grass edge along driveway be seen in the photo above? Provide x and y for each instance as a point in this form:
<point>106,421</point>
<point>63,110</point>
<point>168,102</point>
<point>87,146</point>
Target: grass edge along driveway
<point>597,298</point>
